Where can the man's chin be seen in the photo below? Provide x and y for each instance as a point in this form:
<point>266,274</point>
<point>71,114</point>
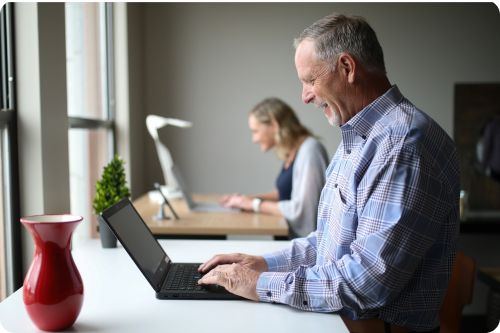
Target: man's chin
<point>334,120</point>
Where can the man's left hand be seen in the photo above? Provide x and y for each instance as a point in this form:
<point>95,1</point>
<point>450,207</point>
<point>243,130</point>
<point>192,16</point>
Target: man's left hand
<point>236,278</point>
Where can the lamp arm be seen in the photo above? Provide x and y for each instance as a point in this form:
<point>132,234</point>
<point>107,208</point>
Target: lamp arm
<point>166,164</point>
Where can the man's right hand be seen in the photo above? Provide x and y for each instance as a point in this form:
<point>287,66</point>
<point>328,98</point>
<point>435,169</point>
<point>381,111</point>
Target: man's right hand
<point>256,263</point>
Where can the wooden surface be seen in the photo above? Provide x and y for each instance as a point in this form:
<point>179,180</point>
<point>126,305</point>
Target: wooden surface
<point>191,223</point>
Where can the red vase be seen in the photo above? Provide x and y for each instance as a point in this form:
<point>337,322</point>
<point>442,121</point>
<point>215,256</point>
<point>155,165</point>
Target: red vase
<point>53,287</point>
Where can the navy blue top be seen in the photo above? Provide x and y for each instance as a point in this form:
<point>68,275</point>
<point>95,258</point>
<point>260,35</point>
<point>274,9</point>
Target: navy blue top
<point>284,182</point>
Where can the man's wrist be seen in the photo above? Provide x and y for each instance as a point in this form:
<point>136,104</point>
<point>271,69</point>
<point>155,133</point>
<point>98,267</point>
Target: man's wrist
<point>256,204</point>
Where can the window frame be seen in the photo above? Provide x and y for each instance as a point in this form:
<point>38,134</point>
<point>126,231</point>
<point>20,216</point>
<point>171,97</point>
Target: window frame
<point>9,150</point>
<point>108,89</point>
<point>109,123</point>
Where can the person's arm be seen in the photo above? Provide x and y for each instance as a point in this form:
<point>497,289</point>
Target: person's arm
<point>302,251</point>
<point>240,273</point>
<point>308,181</point>
<point>405,206</point>
<point>269,196</point>
<point>269,203</point>
<point>270,207</point>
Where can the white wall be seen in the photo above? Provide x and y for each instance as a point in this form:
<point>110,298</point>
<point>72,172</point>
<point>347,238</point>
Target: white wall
<point>209,63</point>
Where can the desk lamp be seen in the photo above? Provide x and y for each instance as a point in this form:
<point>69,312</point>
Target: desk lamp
<point>153,123</point>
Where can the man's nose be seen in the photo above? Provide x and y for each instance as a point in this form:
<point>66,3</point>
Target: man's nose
<point>307,95</point>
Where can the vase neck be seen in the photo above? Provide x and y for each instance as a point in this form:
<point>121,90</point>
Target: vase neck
<point>58,233</point>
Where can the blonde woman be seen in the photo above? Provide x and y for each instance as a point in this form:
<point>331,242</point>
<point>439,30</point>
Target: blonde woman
<point>302,177</point>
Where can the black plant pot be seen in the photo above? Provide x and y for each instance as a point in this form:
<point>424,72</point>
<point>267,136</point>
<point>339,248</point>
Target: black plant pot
<point>108,239</point>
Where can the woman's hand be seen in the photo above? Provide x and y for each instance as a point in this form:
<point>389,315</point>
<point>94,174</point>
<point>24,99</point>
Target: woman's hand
<point>225,198</point>
<point>239,201</point>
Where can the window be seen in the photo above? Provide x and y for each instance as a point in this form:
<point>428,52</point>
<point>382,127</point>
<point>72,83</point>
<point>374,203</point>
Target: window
<point>10,245</point>
<point>90,105</point>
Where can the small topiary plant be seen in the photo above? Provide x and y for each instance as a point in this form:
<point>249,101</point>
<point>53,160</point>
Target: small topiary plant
<point>111,188</point>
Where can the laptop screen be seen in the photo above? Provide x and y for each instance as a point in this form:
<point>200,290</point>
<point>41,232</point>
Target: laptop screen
<point>136,237</point>
<point>183,187</point>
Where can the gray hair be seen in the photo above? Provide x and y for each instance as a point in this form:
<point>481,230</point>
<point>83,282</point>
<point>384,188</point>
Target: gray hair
<point>338,33</point>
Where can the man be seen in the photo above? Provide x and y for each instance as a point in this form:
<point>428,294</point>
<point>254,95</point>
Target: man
<point>388,217</point>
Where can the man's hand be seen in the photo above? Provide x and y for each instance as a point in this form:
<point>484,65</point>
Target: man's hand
<point>256,263</point>
<point>236,278</point>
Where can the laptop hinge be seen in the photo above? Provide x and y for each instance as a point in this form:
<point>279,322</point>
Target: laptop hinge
<point>163,268</point>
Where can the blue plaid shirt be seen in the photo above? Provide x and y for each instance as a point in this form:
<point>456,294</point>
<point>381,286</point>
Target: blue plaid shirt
<point>388,223</point>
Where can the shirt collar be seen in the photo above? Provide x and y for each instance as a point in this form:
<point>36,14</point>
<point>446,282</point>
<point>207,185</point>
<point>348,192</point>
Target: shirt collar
<point>362,123</point>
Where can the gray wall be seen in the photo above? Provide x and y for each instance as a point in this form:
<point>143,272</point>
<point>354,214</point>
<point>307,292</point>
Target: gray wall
<point>209,63</point>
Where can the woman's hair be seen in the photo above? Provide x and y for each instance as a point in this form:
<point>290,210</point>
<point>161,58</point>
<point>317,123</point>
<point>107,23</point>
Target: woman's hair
<point>290,129</point>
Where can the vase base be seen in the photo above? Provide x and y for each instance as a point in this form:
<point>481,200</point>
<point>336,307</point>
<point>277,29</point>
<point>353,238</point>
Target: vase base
<point>56,317</point>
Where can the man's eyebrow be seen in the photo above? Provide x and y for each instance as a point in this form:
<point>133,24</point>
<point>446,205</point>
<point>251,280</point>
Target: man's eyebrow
<point>307,78</point>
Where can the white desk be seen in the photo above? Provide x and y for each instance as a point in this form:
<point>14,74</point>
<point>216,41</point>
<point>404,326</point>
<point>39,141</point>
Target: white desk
<point>119,299</point>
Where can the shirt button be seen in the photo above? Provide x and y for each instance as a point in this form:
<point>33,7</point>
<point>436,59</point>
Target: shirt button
<point>363,137</point>
<point>269,294</point>
<point>336,185</point>
<point>305,302</point>
<point>348,151</point>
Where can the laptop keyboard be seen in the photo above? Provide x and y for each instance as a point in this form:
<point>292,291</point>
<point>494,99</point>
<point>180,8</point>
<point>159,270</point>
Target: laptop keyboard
<point>184,277</point>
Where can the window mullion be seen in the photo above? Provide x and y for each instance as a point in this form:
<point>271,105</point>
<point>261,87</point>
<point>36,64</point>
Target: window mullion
<point>110,86</point>
<point>3,58</point>
<point>10,57</point>
<point>77,122</point>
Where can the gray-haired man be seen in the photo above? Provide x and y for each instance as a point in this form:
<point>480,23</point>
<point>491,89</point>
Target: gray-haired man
<point>388,219</point>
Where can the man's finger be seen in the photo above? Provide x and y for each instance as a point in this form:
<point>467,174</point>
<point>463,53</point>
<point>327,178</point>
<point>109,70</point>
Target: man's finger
<point>212,263</point>
<point>218,259</point>
<point>202,266</point>
<point>215,276</point>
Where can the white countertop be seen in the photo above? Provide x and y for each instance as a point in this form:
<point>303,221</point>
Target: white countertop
<point>117,298</point>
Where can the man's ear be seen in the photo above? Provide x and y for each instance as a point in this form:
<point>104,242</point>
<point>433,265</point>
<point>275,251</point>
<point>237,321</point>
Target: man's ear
<point>347,65</point>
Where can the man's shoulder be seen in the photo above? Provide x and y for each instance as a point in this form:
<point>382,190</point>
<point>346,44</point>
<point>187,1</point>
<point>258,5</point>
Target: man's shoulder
<point>405,115</point>
<point>412,128</point>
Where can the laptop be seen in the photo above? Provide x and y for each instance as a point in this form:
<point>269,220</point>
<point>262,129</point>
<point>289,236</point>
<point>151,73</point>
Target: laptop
<point>169,280</point>
<point>208,207</point>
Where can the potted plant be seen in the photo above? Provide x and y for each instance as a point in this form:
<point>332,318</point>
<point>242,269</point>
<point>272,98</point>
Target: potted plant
<point>110,189</point>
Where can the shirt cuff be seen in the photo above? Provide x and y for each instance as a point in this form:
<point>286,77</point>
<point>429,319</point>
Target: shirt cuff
<point>272,263</point>
<point>269,286</point>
